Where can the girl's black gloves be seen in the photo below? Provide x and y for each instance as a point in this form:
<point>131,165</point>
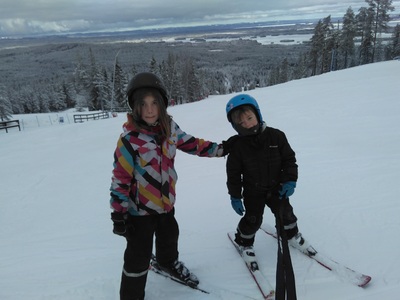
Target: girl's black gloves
<point>122,226</point>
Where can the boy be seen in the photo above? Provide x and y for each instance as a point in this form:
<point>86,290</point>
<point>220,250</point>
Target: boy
<point>261,169</point>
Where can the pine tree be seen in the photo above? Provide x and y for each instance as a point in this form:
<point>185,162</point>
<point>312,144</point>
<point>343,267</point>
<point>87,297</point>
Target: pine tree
<point>132,72</point>
<point>29,99</point>
<point>57,101</point>
<point>80,79</point>
<point>395,44</point>
<point>190,83</point>
<point>170,75</point>
<point>103,87</point>
<point>364,26</point>
<point>273,76</point>
<point>119,85</point>
<point>13,94</point>
<point>69,94</point>
<point>93,88</point>
<point>300,69</point>
<point>381,18</point>
<point>317,44</point>
<point>203,77</point>
<point>284,71</point>
<point>154,67</point>
<point>322,43</point>
<point>328,45</point>
<point>347,35</point>
<point>5,105</point>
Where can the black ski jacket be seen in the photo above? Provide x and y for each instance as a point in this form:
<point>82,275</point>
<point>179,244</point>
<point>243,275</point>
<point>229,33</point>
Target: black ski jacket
<point>260,163</point>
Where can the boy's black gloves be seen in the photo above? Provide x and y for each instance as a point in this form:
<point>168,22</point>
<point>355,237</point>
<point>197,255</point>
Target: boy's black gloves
<point>228,144</point>
<point>121,224</point>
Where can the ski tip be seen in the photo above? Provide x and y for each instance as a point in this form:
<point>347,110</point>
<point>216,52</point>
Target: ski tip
<point>366,280</point>
<point>270,296</point>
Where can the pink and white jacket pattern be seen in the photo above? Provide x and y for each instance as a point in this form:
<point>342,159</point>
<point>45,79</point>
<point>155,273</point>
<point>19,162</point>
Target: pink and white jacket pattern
<point>144,175</point>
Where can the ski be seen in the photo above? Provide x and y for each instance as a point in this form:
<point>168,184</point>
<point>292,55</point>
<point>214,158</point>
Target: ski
<point>262,283</point>
<point>340,270</point>
<point>154,266</point>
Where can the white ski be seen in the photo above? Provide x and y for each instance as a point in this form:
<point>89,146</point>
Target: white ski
<point>261,281</point>
<point>340,270</point>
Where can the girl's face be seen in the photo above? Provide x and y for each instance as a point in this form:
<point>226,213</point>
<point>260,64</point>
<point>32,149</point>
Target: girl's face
<point>247,119</point>
<point>150,110</point>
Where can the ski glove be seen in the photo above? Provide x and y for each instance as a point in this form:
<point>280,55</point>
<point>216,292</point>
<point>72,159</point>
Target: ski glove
<point>122,226</point>
<point>237,206</point>
<point>287,189</point>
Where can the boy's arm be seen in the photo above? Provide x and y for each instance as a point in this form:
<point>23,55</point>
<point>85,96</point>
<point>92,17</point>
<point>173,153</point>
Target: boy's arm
<point>289,165</point>
<point>234,176</point>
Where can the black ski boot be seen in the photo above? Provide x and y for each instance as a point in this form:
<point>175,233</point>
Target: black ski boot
<point>179,271</point>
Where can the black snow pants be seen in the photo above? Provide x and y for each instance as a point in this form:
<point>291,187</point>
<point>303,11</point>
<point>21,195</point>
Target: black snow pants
<point>254,203</point>
<point>139,249</point>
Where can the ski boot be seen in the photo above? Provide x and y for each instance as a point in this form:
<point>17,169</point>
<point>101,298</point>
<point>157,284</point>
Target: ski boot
<point>301,244</point>
<point>181,272</point>
<point>249,256</point>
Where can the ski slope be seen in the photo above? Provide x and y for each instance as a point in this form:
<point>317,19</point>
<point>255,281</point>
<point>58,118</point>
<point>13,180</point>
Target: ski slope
<point>55,228</point>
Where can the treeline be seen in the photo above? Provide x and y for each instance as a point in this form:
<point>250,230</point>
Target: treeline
<point>97,89</point>
<point>355,41</point>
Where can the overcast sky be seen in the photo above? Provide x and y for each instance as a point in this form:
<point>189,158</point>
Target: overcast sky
<point>24,17</point>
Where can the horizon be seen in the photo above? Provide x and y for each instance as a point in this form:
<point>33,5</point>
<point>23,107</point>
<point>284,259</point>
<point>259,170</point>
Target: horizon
<point>184,29</point>
<point>62,17</point>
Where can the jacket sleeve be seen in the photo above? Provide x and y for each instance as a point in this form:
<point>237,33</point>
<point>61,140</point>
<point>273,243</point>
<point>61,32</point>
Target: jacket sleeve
<point>234,175</point>
<point>122,175</point>
<point>288,157</point>
<point>196,146</point>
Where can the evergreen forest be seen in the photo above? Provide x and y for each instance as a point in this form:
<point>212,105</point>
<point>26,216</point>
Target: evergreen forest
<point>60,73</point>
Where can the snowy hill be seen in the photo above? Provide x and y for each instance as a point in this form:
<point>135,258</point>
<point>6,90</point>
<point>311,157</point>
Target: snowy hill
<point>55,228</point>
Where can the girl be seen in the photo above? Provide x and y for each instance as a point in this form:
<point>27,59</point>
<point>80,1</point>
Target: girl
<point>143,184</point>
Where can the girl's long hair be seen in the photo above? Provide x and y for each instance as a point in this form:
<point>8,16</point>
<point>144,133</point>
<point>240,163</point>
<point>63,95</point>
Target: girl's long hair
<point>136,102</point>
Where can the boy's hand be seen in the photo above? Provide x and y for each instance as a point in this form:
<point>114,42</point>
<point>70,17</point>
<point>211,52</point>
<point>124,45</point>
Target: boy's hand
<point>237,206</point>
<point>287,189</point>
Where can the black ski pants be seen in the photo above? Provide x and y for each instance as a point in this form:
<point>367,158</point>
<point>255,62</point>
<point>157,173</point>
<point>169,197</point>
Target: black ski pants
<point>139,249</point>
<point>254,203</point>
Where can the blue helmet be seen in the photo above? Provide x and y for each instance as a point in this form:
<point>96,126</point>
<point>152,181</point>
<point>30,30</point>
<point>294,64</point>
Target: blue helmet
<point>239,100</point>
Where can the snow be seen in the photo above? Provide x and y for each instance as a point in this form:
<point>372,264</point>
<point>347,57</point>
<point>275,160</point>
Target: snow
<point>264,40</point>
<point>55,228</point>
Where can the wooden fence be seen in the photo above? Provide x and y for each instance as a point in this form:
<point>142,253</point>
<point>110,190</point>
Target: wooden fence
<point>9,124</point>
<point>94,116</point>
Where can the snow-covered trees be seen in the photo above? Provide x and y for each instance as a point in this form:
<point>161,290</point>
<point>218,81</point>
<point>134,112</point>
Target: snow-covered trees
<point>119,87</point>
<point>319,52</point>
<point>5,105</point>
<point>394,48</point>
<point>96,78</point>
<point>347,35</point>
<point>380,17</point>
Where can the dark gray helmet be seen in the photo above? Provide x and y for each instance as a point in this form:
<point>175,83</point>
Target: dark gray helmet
<point>146,80</point>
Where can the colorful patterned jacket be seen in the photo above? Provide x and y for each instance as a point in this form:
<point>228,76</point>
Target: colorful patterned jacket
<point>144,176</point>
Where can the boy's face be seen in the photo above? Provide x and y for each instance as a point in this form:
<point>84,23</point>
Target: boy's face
<point>247,119</point>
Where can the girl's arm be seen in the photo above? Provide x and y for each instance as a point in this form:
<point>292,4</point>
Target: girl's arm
<point>122,177</point>
<point>196,146</point>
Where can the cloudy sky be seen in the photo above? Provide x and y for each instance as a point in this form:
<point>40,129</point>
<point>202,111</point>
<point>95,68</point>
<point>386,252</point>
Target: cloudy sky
<point>25,17</point>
